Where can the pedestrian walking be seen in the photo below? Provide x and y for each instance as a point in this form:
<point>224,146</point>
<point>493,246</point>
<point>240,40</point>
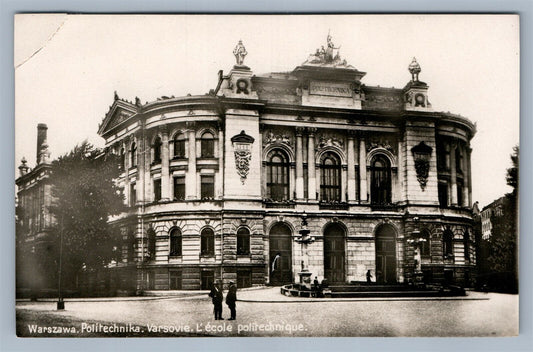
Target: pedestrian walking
<point>217,298</point>
<point>368,276</point>
<point>231,298</point>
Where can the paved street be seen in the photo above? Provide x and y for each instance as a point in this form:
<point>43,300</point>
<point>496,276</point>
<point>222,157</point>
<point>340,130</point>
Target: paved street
<point>265,312</point>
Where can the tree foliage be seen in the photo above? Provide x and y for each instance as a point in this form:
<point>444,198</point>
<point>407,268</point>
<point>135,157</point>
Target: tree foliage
<point>503,243</point>
<point>85,195</point>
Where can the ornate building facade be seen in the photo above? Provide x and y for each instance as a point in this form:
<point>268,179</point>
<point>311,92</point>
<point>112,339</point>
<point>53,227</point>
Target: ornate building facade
<point>218,185</point>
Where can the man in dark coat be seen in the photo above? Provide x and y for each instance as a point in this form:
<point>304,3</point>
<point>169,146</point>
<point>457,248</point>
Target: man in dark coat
<point>217,299</point>
<point>231,298</point>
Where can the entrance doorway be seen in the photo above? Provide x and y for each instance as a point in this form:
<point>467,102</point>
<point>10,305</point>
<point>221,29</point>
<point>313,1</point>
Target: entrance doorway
<point>386,255</point>
<point>334,254</point>
<point>280,266</point>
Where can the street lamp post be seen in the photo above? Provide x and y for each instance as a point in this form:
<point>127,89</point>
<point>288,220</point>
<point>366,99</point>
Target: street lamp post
<point>416,240</point>
<point>60,302</point>
<point>305,239</point>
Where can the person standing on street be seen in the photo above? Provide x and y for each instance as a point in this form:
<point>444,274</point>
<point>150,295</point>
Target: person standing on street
<point>368,276</point>
<point>231,298</point>
<point>217,298</point>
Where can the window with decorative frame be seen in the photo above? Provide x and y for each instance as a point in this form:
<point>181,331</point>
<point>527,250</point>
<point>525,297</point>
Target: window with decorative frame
<point>330,180</point>
<point>207,186</point>
<point>243,241</point>
<point>133,154</point>
<point>207,145</point>
<point>380,180</point>
<point>447,243</point>
<point>179,146</point>
<point>207,242</point>
<point>175,242</point>
<point>157,150</point>
<point>157,190</point>
<point>277,169</point>
<point>179,187</point>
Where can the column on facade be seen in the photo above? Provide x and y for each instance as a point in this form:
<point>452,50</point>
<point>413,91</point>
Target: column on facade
<point>465,177</point>
<point>299,164</point>
<point>362,168</point>
<point>124,146</point>
<point>453,173</point>
<point>311,184</point>
<point>190,177</point>
<point>351,167</point>
<point>140,142</point>
<point>468,176</point>
<point>165,156</point>
<point>219,176</point>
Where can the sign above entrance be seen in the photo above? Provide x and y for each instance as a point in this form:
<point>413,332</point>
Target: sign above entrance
<point>334,89</point>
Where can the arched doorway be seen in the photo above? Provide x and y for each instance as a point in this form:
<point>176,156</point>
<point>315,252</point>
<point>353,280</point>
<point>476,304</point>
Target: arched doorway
<point>386,255</point>
<point>280,265</point>
<point>334,253</point>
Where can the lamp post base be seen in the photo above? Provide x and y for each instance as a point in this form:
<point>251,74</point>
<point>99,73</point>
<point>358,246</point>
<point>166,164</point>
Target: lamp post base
<point>60,304</point>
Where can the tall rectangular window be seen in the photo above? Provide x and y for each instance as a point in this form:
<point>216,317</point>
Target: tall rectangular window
<point>443,194</point>
<point>157,190</point>
<point>133,194</point>
<point>179,188</point>
<point>208,186</point>
<point>175,279</point>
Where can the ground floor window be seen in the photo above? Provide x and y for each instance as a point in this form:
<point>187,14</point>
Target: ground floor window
<point>207,278</point>
<point>175,279</point>
<point>244,278</point>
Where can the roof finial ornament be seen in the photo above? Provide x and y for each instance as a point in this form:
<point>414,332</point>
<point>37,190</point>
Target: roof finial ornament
<point>240,53</point>
<point>116,95</point>
<point>415,69</point>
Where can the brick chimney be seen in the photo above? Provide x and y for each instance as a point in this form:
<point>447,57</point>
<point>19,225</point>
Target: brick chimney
<point>41,137</point>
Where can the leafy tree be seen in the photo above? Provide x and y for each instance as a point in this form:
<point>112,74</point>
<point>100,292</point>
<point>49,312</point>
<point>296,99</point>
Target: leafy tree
<point>503,258</point>
<point>85,195</point>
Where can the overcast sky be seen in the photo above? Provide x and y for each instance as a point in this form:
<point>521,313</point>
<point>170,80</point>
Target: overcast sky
<point>67,68</point>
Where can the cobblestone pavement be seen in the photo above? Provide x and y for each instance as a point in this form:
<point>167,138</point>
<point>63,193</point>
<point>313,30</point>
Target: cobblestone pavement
<point>265,312</point>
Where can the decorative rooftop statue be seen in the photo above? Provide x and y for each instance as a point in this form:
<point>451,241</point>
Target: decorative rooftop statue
<point>415,69</point>
<point>240,53</point>
<point>324,56</point>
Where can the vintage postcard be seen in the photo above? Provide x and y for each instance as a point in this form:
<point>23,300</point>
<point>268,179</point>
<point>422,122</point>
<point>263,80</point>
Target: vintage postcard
<point>266,175</point>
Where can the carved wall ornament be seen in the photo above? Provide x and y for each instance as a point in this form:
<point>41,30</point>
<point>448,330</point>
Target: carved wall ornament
<point>271,137</point>
<point>382,143</point>
<point>328,140</point>
<point>421,154</point>
<point>242,145</point>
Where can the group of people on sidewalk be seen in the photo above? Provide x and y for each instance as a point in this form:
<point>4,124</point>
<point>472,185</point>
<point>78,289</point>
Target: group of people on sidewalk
<point>217,298</point>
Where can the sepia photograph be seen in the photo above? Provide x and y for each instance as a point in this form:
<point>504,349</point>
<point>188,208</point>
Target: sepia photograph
<point>267,175</point>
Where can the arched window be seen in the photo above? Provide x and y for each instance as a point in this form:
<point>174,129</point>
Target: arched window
<point>447,243</point>
<point>157,150</point>
<point>466,239</point>
<point>151,243</point>
<point>207,242</point>
<point>380,188</point>
<point>243,241</point>
<point>425,245</point>
<point>122,159</point>
<point>277,175</point>
<point>208,145</point>
<point>175,242</point>
<point>179,146</point>
<point>133,154</point>
<point>330,185</point>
